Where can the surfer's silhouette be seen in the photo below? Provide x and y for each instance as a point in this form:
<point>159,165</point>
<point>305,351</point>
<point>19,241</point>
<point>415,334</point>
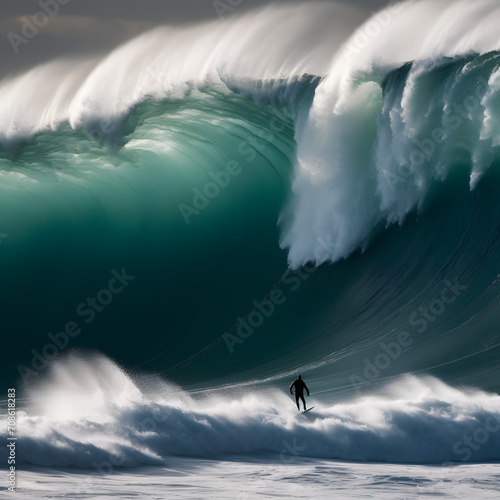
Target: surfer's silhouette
<point>299,385</point>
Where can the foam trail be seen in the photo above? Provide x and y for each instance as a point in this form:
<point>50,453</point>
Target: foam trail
<point>412,420</point>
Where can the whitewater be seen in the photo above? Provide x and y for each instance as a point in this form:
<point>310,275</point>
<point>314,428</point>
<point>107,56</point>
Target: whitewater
<point>199,215</point>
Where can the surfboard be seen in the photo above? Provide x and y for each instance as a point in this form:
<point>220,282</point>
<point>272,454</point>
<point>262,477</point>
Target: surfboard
<point>309,409</point>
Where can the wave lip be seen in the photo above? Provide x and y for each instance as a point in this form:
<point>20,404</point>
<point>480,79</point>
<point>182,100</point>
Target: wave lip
<point>267,43</point>
<point>356,142</point>
<point>358,132</point>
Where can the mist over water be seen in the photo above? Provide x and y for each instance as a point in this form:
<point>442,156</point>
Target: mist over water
<point>88,410</point>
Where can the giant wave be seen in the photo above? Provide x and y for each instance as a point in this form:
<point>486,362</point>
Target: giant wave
<point>357,181</point>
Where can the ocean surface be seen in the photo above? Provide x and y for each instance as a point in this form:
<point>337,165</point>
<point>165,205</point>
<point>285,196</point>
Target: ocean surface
<point>191,220</point>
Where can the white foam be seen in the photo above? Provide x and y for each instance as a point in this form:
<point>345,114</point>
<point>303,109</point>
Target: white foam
<point>271,42</point>
<point>340,188</point>
<point>89,411</point>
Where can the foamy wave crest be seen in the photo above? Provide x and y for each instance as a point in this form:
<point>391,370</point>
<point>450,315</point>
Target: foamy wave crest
<point>89,412</point>
<point>271,42</point>
<point>380,132</point>
<point>359,146</point>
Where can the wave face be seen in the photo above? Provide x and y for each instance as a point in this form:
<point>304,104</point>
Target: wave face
<point>225,220</point>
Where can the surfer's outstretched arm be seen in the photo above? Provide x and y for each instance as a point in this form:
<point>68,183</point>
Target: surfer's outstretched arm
<point>305,387</point>
<point>291,385</point>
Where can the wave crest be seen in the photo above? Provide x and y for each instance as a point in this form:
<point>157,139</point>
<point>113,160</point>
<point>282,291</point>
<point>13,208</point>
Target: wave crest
<point>412,420</point>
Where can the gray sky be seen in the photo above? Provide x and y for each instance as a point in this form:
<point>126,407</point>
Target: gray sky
<point>86,27</point>
<point>156,11</point>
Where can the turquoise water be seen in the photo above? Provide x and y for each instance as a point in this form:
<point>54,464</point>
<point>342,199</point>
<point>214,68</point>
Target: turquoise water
<point>120,195</point>
<point>175,249</point>
<point>77,205</point>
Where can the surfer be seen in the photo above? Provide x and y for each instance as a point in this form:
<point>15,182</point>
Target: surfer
<point>299,385</point>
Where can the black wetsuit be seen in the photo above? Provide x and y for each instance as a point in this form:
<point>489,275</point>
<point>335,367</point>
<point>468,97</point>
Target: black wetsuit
<point>299,385</point>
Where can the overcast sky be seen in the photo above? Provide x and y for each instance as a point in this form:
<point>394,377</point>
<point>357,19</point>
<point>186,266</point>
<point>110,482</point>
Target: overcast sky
<point>86,27</point>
